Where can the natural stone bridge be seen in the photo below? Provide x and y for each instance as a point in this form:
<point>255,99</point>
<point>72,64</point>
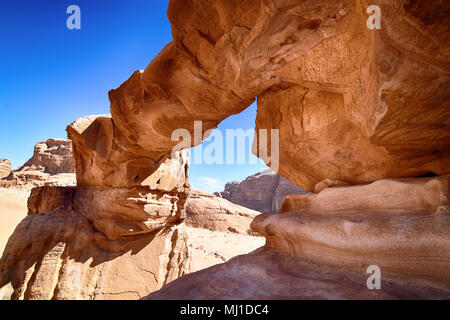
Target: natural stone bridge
<point>353,106</point>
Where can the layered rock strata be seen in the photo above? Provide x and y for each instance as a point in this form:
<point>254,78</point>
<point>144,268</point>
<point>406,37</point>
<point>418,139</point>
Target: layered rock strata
<point>349,106</point>
<point>263,191</point>
<point>203,210</point>
<point>5,167</point>
<point>322,244</point>
<point>57,253</point>
<point>110,237</point>
<point>267,274</point>
<point>52,163</point>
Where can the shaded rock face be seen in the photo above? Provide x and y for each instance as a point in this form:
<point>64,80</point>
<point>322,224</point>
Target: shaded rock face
<point>203,210</point>
<point>52,163</point>
<point>96,244</point>
<point>119,234</point>
<point>245,277</point>
<point>5,167</point>
<point>319,246</point>
<point>263,192</point>
<point>62,256</point>
<point>346,99</point>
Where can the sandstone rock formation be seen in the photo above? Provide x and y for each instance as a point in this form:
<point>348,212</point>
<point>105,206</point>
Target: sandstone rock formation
<point>346,99</point>
<point>56,253</point>
<point>349,106</point>
<point>267,274</point>
<point>5,167</point>
<point>402,226</point>
<point>51,164</point>
<point>263,191</point>
<point>320,245</point>
<point>203,210</point>
<point>98,244</point>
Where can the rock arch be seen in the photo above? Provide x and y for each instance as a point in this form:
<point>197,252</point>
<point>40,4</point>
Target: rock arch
<point>348,101</point>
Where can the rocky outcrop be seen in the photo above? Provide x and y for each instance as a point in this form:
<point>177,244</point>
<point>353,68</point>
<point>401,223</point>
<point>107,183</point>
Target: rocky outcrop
<point>349,106</point>
<point>420,196</point>
<point>263,191</point>
<point>320,245</point>
<point>203,210</point>
<point>97,243</point>
<point>117,235</point>
<point>267,274</point>
<point>5,167</point>
<point>345,98</point>
<point>51,164</point>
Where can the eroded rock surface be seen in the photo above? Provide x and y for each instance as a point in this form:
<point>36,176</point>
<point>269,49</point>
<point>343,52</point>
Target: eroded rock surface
<point>349,106</point>
<point>52,163</point>
<point>56,252</point>
<point>116,235</point>
<point>5,167</point>
<point>346,99</point>
<point>323,252</point>
<point>203,210</point>
<point>263,191</point>
<point>400,225</point>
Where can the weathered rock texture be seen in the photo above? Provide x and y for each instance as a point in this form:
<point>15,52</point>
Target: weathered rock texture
<point>118,234</point>
<point>351,104</point>
<point>321,246</point>
<point>263,192</point>
<point>348,100</point>
<point>57,253</point>
<point>5,167</point>
<point>267,274</point>
<point>51,164</point>
<point>203,210</point>
<point>68,247</point>
<point>401,225</point>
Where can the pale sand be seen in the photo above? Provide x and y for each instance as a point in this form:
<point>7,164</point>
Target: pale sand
<point>208,247</point>
<point>13,208</point>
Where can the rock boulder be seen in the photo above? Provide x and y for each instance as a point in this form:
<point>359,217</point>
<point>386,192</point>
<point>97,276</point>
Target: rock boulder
<point>203,210</point>
<point>263,192</point>
<point>52,164</point>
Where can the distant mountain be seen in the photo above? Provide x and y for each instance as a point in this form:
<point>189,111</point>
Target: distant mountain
<point>263,192</point>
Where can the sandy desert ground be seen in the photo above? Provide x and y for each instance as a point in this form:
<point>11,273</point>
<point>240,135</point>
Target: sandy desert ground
<point>13,208</point>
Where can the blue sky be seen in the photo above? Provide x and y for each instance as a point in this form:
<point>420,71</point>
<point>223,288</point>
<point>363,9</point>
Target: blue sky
<point>51,75</point>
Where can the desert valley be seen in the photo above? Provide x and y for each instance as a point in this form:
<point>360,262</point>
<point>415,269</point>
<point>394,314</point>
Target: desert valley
<point>352,121</point>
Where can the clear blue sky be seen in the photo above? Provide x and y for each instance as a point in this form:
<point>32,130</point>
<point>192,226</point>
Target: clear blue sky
<point>51,75</point>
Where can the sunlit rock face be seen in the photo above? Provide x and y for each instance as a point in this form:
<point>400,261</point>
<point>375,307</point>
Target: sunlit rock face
<point>5,167</point>
<point>263,191</point>
<point>348,100</point>
<point>246,277</point>
<point>400,225</point>
<point>352,105</point>
<point>57,253</point>
<point>204,210</point>
<point>320,246</point>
